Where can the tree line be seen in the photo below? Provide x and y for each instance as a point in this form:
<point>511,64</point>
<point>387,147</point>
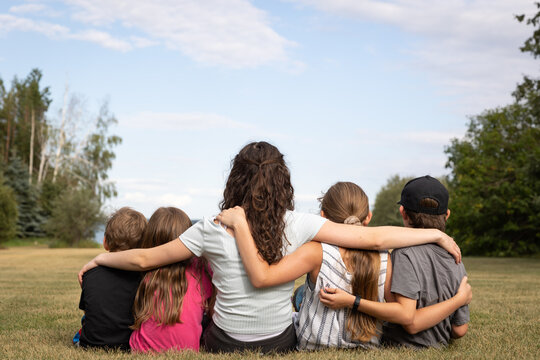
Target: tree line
<point>494,179</point>
<point>53,169</point>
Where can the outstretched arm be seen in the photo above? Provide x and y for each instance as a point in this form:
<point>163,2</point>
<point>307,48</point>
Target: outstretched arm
<point>140,259</point>
<point>400,311</point>
<point>384,237</point>
<point>305,259</point>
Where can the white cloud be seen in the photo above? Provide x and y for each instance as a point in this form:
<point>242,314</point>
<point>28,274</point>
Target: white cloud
<point>141,42</point>
<point>27,8</point>
<point>469,47</point>
<point>212,192</point>
<point>233,33</point>
<point>102,38</point>
<point>383,138</point>
<point>10,23</point>
<point>181,121</point>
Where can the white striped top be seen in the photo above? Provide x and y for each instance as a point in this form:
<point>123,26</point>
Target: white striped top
<point>319,326</point>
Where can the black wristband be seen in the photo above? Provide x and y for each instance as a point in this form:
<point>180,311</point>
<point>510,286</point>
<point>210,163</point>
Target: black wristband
<point>356,302</point>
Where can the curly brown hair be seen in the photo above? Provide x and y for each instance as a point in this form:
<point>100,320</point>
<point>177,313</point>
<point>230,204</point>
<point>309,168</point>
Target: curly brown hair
<point>260,182</point>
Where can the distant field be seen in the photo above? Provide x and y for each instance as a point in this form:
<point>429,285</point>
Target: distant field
<point>39,296</point>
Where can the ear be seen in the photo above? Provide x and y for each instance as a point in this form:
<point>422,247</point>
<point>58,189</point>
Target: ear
<point>367,219</point>
<point>403,213</point>
<point>447,214</point>
<point>322,214</point>
<point>404,216</point>
<point>105,246</point>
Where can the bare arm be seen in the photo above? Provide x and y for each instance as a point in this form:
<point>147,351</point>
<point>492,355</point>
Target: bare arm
<point>459,330</point>
<point>140,259</point>
<point>384,237</point>
<point>419,320</point>
<point>400,312</point>
<point>430,316</point>
<point>303,260</point>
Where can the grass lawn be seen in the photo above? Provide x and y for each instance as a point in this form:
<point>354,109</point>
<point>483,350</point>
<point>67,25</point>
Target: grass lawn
<point>39,313</point>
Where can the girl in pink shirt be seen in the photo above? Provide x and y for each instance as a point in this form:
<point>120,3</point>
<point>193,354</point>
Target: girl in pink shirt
<point>171,300</point>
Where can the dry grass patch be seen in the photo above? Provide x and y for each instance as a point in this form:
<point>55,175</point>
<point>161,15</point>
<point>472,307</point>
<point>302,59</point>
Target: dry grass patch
<point>39,296</point>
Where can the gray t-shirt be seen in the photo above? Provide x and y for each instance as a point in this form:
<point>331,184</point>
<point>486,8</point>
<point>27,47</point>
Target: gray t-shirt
<point>429,275</point>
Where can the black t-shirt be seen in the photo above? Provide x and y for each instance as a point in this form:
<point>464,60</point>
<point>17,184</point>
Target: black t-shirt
<point>107,299</point>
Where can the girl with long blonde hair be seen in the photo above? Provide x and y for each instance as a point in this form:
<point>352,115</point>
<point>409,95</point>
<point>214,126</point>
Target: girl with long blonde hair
<point>360,272</point>
<point>171,300</point>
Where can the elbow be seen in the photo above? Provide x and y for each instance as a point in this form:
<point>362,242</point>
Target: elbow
<point>142,263</point>
<point>258,283</point>
<point>377,244</point>
<point>409,324</point>
<point>459,331</point>
<point>411,329</point>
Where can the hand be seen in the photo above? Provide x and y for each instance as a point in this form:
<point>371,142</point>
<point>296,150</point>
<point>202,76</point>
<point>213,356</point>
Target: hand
<point>90,265</point>
<point>232,217</point>
<point>447,243</point>
<point>336,298</point>
<point>465,291</point>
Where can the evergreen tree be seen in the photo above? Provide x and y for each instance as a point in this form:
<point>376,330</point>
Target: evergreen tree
<point>8,212</point>
<point>30,219</point>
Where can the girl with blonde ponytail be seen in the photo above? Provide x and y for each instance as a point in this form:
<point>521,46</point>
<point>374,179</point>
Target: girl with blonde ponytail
<point>333,269</point>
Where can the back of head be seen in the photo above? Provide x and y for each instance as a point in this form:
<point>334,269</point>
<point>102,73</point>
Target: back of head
<point>161,292</point>
<point>343,200</point>
<point>124,229</point>
<point>425,200</point>
<point>346,202</point>
<point>260,182</point>
<point>165,224</point>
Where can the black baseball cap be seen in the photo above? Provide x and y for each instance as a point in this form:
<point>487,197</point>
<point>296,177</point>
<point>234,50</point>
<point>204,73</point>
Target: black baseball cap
<point>421,188</point>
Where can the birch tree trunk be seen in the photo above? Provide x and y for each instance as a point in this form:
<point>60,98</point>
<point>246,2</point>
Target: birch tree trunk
<point>61,136</point>
<point>32,134</point>
<point>43,158</point>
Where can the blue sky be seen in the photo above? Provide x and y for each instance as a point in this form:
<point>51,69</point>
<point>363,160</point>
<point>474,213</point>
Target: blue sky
<point>348,90</point>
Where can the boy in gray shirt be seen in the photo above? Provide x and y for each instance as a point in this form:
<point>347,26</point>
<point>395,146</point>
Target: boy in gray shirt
<point>425,274</point>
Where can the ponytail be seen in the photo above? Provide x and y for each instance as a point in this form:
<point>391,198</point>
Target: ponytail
<point>346,202</point>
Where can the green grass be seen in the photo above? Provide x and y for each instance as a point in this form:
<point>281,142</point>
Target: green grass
<point>39,296</point>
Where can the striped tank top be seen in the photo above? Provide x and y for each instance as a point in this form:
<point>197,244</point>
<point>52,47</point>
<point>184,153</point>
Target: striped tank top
<point>318,326</point>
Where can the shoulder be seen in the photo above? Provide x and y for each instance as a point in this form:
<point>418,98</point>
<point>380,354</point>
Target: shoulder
<point>304,225</point>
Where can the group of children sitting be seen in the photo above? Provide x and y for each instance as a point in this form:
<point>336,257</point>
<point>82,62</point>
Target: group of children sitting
<point>426,292</point>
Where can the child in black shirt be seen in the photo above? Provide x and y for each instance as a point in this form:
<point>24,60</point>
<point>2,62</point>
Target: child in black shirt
<point>107,294</point>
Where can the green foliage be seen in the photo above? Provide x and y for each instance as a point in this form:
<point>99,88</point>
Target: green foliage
<point>76,214</point>
<point>496,172</point>
<point>49,192</point>
<point>496,187</point>
<point>8,212</point>
<point>45,162</point>
<point>386,210</point>
<point>31,219</point>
